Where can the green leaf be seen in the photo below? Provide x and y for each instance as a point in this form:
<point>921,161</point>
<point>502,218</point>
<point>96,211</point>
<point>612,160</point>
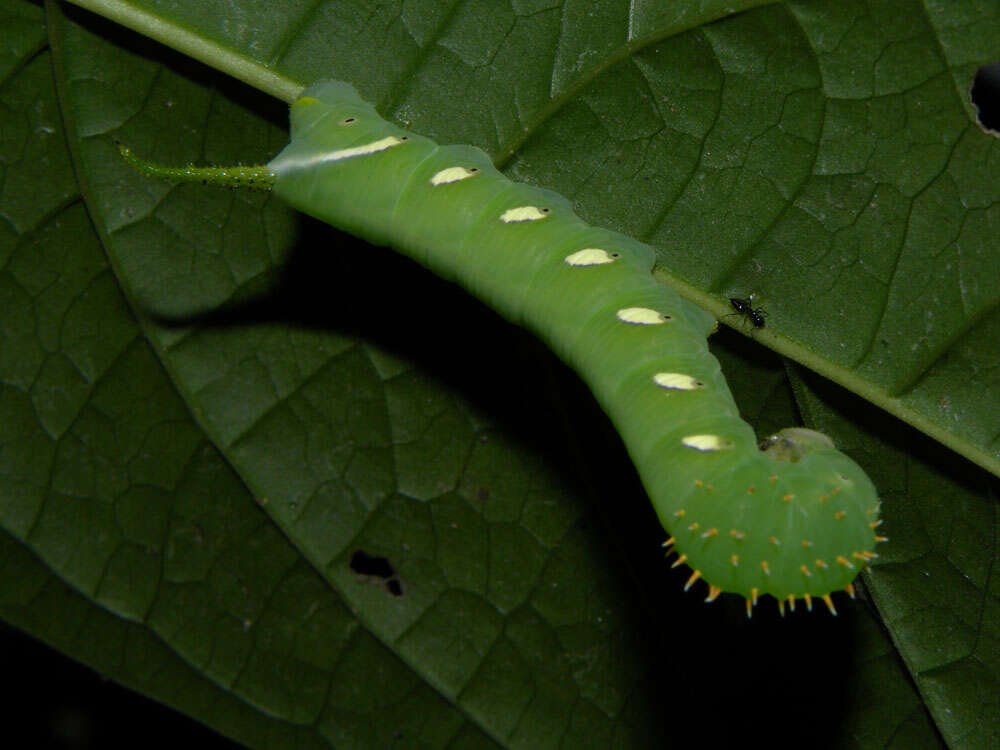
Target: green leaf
<point>344,389</point>
<point>824,155</point>
<point>129,542</point>
<point>933,584</point>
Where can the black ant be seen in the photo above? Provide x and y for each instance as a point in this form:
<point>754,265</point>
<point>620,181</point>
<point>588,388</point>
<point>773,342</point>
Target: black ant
<point>744,306</point>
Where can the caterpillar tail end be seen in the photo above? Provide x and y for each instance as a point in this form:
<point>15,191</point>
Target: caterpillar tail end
<point>824,535</point>
<point>257,177</point>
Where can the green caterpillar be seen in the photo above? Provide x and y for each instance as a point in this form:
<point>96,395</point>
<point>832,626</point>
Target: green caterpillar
<point>793,518</point>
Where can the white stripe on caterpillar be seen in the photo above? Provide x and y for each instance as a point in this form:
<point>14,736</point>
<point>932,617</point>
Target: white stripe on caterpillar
<point>305,162</point>
<point>590,256</point>
<point>523,213</point>
<point>641,316</point>
<point>706,443</point>
<point>453,174</point>
<point>677,381</point>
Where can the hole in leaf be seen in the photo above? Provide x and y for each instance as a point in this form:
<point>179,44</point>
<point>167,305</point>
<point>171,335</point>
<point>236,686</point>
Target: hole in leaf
<point>394,586</point>
<point>371,565</point>
<point>985,96</point>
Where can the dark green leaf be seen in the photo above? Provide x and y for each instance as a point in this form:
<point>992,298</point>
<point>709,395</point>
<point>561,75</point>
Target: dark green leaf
<point>819,154</point>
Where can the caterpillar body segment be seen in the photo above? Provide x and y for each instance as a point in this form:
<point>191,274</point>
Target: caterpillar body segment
<point>717,494</point>
<point>795,520</point>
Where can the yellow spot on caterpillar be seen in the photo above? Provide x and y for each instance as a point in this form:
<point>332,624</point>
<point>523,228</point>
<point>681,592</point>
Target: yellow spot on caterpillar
<point>677,381</point>
<point>881,539</point>
<point>641,316</point>
<point>710,533</point>
<point>806,543</point>
<point>751,489</point>
<point>835,491</point>
<point>809,602</point>
<point>824,498</point>
<point>693,527</point>
<point>844,561</point>
<point>736,534</point>
<point>590,256</point>
<point>781,607</point>
<point>735,560</point>
<point>875,524</point>
<point>453,174</point>
<point>774,540</point>
<point>680,513</point>
<point>694,577</point>
<point>698,483</point>
<point>679,561</point>
<point>753,595</point>
<point>668,543</point>
<point>523,213</point>
<point>788,498</point>
<point>305,101</point>
<point>862,556</point>
<point>821,564</point>
<point>791,602</point>
<point>765,567</point>
<point>706,443</point>
<point>849,588</point>
<point>829,604</point>
<point>806,572</point>
<point>749,608</point>
<point>839,515</point>
<point>773,478</point>
<point>713,593</point>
